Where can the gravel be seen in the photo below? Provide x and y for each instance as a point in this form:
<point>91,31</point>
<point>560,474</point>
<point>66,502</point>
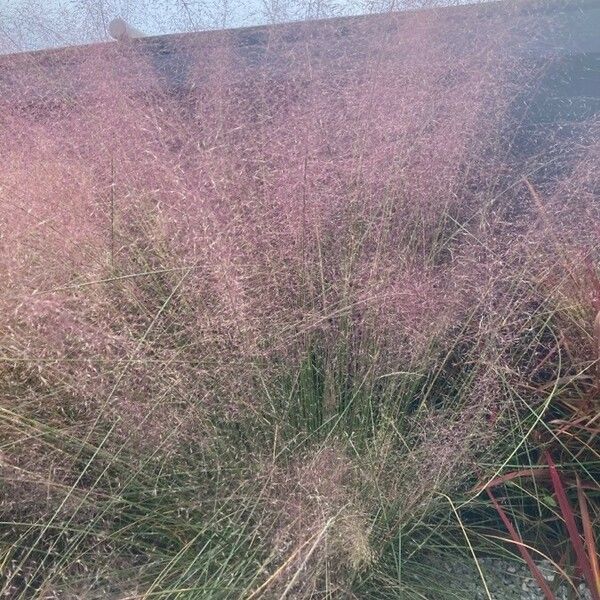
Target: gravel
<point>510,581</point>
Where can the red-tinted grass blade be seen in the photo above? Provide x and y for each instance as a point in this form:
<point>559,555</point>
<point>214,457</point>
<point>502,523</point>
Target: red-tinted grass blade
<point>533,473</point>
<point>568,515</point>
<point>535,571</point>
<point>590,542</point>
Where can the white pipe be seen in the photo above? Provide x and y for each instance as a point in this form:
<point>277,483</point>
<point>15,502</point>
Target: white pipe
<point>121,31</point>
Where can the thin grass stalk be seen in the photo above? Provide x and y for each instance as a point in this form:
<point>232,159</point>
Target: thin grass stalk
<point>516,538</point>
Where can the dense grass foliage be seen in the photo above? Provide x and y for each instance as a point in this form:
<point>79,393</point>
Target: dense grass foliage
<point>279,307</point>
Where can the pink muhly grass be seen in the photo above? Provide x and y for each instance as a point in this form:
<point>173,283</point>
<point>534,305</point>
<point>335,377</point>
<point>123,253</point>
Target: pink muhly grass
<point>183,226</point>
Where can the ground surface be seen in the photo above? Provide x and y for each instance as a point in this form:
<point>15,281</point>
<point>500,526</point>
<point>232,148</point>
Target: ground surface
<point>509,581</point>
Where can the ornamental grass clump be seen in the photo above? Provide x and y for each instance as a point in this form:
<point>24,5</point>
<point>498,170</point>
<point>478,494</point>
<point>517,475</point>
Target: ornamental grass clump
<point>279,305</point>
